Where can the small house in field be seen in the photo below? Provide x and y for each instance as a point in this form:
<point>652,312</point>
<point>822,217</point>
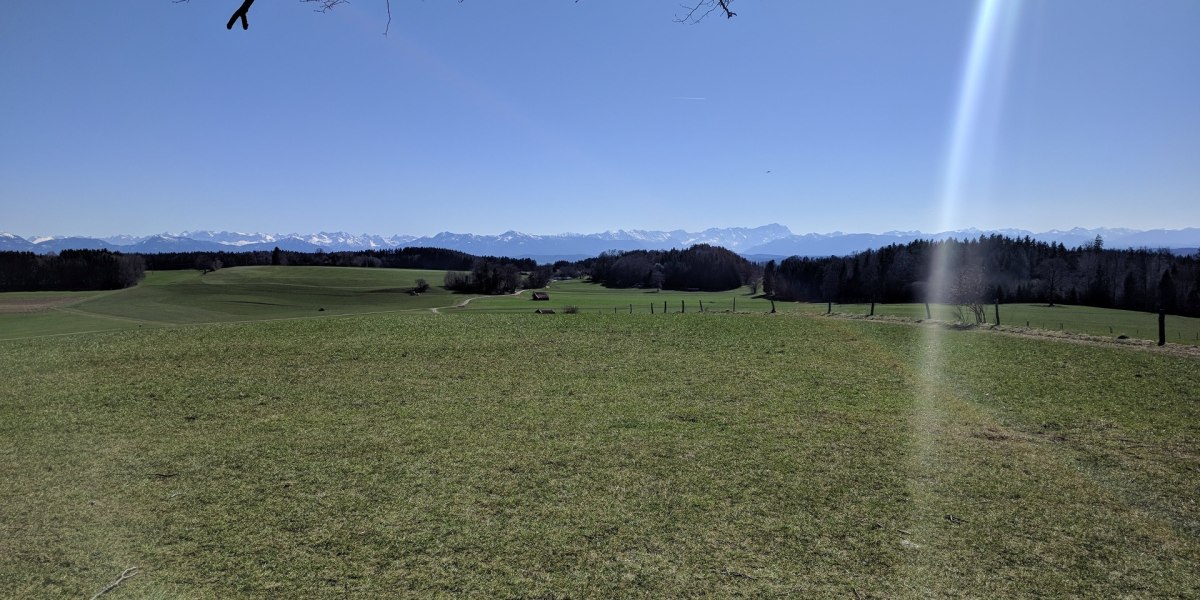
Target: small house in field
<point>544,311</point>
<point>541,295</point>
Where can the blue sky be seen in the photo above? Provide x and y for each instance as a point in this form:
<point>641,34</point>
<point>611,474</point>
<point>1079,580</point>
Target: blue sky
<point>548,116</point>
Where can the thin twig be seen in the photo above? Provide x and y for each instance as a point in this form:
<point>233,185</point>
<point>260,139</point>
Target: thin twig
<point>732,573</point>
<point>712,5</point>
<point>326,5</point>
<point>130,572</point>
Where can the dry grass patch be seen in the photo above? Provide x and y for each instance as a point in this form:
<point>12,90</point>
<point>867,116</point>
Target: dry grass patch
<point>27,304</point>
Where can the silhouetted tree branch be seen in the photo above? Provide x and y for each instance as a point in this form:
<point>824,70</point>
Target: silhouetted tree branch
<point>703,8</point>
<point>240,14</point>
<point>695,14</point>
<point>326,5</point>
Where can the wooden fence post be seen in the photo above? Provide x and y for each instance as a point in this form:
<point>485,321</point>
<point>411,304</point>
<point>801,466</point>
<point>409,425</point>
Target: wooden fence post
<point>997,311</point>
<point>682,307</point>
<point>772,306</point>
<point>1162,327</point>
<point>735,304</point>
<point>631,309</point>
<point>872,310</point>
<point>829,308</point>
<point>928,315</point>
<point>651,308</point>
<point>664,307</point>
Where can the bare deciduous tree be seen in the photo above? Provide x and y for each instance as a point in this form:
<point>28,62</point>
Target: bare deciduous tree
<point>967,291</point>
<point>1052,272</point>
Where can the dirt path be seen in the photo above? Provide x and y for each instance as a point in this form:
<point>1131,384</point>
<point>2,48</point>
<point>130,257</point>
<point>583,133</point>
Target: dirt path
<point>84,313</point>
<point>437,310</point>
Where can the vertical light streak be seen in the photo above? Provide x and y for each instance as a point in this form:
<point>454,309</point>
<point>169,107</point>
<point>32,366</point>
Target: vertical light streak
<point>981,88</point>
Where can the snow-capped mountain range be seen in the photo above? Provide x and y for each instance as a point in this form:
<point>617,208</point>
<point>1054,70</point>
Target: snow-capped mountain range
<point>763,242</point>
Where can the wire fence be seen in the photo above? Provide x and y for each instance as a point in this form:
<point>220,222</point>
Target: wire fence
<point>1085,320</point>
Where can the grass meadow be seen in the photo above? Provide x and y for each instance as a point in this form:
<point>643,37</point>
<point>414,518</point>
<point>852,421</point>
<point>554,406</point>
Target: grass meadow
<point>395,451</point>
<point>244,294</point>
<point>1088,320</point>
<point>173,298</point>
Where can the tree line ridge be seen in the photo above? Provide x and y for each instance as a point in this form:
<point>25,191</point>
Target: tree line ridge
<point>985,269</point>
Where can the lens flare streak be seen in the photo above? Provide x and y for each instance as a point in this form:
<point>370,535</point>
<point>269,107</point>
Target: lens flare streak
<point>976,115</point>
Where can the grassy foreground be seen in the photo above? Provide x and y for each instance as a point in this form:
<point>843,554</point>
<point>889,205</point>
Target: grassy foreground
<point>594,455</point>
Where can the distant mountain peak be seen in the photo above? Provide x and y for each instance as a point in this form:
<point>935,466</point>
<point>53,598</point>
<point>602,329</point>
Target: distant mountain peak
<point>772,240</point>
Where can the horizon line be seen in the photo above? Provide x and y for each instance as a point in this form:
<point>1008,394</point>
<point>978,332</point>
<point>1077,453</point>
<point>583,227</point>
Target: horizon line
<point>298,234</point>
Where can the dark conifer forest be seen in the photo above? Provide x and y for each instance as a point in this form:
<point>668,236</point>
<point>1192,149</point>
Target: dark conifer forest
<point>700,267</point>
<point>70,270</point>
<point>996,268</point>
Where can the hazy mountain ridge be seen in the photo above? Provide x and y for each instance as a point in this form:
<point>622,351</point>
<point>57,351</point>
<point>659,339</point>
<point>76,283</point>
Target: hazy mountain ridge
<point>773,240</point>
<point>15,243</point>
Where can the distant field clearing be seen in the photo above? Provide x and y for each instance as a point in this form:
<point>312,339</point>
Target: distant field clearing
<point>33,304</point>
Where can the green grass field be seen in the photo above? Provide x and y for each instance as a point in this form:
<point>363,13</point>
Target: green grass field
<point>280,452</point>
<point>1100,322</point>
<point>594,455</point>
<point>590,297</point>
<point>170,298</point>
<point>174,298</point>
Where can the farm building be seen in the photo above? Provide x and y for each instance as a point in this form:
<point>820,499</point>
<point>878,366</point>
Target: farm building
<point>541,295</point>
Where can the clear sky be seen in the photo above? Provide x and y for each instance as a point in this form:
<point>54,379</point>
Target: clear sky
<point>548,116</point>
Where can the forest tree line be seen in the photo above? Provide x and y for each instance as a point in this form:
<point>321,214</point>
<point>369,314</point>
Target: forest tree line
<point>701,267</point>
<point>464,272</point>
<point>437,259</point>
<point>105,270</point>
<point>69,270</point>
<point>993,268</point>
<point>491,276</point>
<point>985,269</point>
